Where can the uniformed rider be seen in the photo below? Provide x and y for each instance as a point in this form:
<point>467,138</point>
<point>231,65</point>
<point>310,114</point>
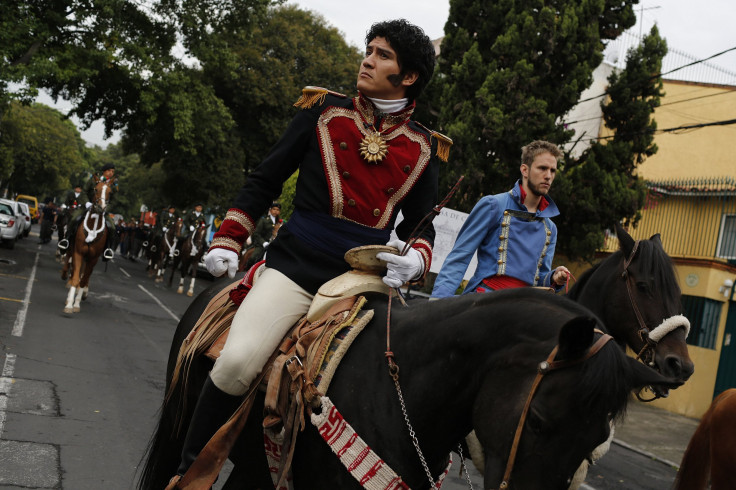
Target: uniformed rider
<point>83,202</point>
<point>361,160</point>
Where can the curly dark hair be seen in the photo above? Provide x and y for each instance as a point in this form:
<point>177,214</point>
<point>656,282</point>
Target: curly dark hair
<point>413,47</point>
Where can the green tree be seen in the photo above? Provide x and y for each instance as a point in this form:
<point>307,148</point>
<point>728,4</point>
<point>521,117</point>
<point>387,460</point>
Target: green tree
<point>210,124</point>
<point>509,71</point>
<point>99,55</point>
<point>600,188</point>
<point>40,150</point>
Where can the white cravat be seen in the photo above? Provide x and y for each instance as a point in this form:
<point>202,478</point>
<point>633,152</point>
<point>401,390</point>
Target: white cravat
<point>389,106</point>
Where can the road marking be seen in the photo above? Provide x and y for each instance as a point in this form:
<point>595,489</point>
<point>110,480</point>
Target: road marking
<point>20,320</point>
<point>124,272</point>
<point>160,303</point>
<point>13,276</point>
<point>5,383</point>
<point>11,299</point>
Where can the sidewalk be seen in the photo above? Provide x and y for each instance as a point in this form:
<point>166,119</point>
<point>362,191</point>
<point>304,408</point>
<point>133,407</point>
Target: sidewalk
<point>655,432</point>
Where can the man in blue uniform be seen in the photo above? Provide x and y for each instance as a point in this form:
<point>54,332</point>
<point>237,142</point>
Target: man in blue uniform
<point>512,232</point>
<point>360,161</point>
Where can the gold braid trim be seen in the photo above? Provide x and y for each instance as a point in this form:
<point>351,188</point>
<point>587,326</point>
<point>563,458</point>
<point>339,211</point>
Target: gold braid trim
<point>313,95</point>
<point>443,145</point>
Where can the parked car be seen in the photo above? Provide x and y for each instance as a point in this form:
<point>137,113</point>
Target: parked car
<point>32,205</point>
<point>26,218</point>
<point>10,222</point>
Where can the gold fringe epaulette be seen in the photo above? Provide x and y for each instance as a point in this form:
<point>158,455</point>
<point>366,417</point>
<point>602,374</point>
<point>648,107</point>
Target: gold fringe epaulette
<point>443,145</point>
<point>314,95</point>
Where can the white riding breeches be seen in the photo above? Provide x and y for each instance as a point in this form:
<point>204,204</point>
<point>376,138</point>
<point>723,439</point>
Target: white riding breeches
<point>269,310</point>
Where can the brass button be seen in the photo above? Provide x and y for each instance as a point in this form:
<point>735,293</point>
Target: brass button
<point>503,225</point>
<point>376,212</point>
<point>549,232</point>
<point>407,169</point>
<point>505,213</point>
<point>346,175</point>
<point>501,237</point>
<point>500,261</point>
<point>343,145</point>
<point>547,242</point>
<point>544,254</point>
<point>351,202</point>
<point>500,249</point>
<point>390,190</point>
<point>536,278</point>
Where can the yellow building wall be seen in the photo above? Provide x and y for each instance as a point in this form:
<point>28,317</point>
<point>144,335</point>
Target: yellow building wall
<point>694,153</point>
<point>694,397</point>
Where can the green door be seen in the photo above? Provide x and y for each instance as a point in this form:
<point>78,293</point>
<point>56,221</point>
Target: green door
<point>726,377</point>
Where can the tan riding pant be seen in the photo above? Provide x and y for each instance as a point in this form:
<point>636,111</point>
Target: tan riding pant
<point>269,310</point>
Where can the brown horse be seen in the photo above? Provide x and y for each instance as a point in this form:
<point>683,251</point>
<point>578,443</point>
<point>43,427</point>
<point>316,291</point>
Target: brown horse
<point>192,250</point>
<point>711,453</point>
<point>89,243</point>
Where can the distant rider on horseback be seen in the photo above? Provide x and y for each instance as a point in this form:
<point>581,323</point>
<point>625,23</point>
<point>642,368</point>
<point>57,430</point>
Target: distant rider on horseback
<point>361,160</point>
<point>87,198</point>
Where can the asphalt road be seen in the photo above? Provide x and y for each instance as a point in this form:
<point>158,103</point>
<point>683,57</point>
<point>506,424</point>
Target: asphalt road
<point>79,393</point>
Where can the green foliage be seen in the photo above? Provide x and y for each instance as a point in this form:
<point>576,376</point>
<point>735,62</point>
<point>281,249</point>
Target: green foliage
<point>600,188</point>
<point>40,151</point>
<point>510,71</point>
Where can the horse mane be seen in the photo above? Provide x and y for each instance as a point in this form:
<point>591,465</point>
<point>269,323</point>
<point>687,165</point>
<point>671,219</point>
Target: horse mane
<point>579,285</point>
<point>604,383</point>
<point>661,270</point>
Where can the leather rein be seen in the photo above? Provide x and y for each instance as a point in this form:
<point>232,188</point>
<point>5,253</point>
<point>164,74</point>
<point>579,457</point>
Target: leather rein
<point>546,367</point>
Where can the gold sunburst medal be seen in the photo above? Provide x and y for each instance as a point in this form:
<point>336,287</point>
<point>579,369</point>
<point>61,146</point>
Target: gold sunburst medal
<point>373,148</point>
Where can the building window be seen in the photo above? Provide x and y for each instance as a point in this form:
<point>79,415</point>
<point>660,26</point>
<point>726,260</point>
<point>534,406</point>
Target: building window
<point>704,315</point>
<point>727,237</point>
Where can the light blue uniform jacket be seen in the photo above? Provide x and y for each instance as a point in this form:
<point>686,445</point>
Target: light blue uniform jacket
<point>509,239</point>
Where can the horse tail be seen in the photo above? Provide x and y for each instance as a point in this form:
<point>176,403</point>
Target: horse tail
<point>695,465</point>
<point>186,372</point>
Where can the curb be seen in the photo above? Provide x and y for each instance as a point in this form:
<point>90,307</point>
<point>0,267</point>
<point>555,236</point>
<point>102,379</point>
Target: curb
<point>646,453</point>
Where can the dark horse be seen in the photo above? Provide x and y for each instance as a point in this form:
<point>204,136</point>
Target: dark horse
<point>465,363</point>
<point>191,252</point>
<point>168,250</point>
<point>89,243</point>
<point>711,454</point>
<point>635,292</point>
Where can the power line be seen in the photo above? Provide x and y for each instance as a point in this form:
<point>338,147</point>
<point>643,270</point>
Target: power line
<point>725,122</point>
<point>666,73</point>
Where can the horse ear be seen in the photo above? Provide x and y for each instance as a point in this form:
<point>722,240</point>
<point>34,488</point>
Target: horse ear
<point>641,375</point>
<point>656,238</point>
<point>575,337</point>
<point>624,239</point>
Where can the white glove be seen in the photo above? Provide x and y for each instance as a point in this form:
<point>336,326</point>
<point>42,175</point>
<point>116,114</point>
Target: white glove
<point>220,260</point>
<point>265,244</point>
<point>401,268</point>
<point>191,228</point>
<point>165,229</point>
<point>87,205</point>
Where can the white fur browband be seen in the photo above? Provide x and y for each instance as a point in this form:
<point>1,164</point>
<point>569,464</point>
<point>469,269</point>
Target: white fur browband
<point>669,325</point>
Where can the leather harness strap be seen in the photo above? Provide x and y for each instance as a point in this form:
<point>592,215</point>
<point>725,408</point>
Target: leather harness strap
<point>545,367</point>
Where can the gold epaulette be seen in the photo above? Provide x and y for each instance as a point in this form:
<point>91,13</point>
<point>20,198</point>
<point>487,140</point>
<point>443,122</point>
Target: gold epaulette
<point>314,95</point>
<point>443,145</point>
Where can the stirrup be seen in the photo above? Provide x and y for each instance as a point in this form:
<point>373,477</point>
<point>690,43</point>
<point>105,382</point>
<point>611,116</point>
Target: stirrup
<point>108,254</point>
<point>63,244</point>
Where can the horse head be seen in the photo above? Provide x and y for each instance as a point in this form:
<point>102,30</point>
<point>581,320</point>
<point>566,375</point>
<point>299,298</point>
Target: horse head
<point>584,385</point>
<point>641,306</point>
<point>103,193</point>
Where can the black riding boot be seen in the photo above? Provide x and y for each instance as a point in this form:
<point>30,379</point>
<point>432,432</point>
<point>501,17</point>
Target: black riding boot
<point>213,409</point>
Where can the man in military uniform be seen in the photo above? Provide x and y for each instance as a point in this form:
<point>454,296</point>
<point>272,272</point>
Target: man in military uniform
<point>108,172</point>
<point>361,160</point>
<point>264,233</point>
<point>192,220</point>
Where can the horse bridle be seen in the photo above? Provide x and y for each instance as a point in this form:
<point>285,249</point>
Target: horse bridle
<point>546,367</point>
<point>646,354</point>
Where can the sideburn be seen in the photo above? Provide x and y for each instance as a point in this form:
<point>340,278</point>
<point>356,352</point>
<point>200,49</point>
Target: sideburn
<point>396,79</point>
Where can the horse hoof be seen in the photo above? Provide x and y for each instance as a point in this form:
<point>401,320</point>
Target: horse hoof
<point>68,310</point>
<point>76,309</point>
<point>190,294</point>
<point>180,291</point>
